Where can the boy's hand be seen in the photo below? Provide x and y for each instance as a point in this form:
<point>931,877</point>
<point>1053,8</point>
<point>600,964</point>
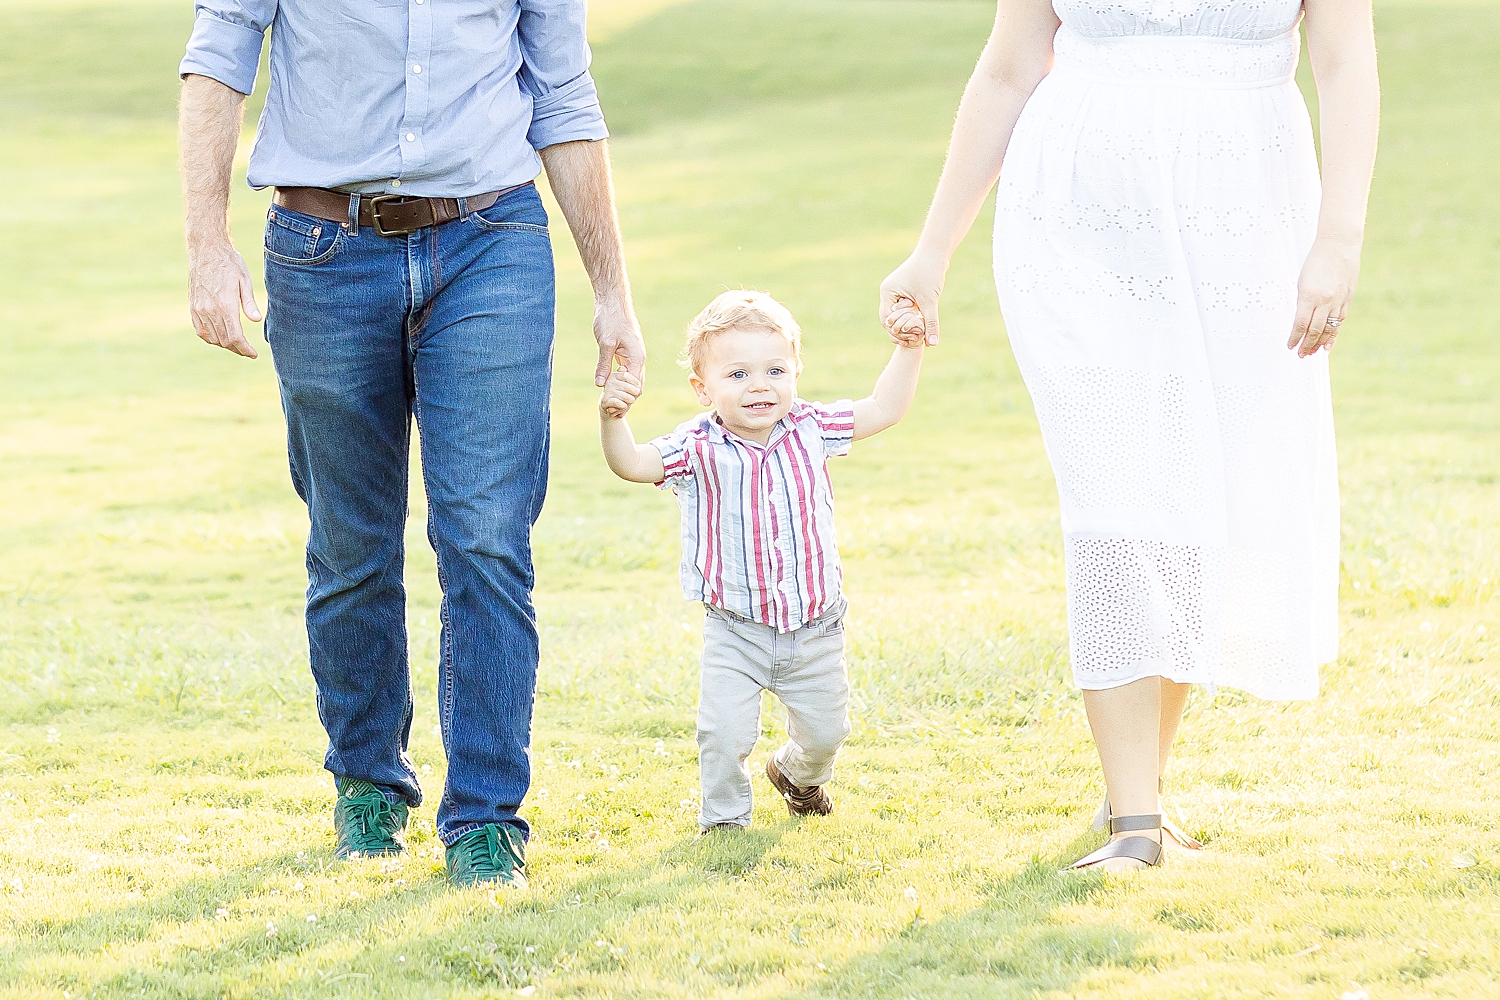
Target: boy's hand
<point>621,390</point>
<point>904,322</point>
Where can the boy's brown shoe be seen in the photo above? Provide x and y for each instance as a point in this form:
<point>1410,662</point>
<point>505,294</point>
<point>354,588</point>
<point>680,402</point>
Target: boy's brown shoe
<point>811,801</point>
<point>729,828</point>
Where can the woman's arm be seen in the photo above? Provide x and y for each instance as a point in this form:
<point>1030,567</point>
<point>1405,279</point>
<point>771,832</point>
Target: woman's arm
<point>1017,56</point>
<point>1341,44</point>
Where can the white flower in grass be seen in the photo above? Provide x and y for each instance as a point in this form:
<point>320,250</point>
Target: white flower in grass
<point>1425,627</point>
<point>222,913</point>
<point>401,958</point>
<point>298,887</point>
<point>526,991</point>
<point>53,736</point>
<point>270,929</point>
<point>911,894</point>
<point>1355,995</point>
<point>312,918</point>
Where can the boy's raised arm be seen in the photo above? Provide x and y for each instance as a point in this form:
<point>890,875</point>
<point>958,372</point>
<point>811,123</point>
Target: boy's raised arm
<point>635,463</point>
<point>894,391</point>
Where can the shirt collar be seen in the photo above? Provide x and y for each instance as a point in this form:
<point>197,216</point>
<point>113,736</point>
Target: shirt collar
<point>782,428</point>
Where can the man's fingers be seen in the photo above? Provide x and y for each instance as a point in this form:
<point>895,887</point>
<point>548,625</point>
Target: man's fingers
<point>247,300</point>
<point>234,333</point>
<point>601,370</point>
<point>632,355</point>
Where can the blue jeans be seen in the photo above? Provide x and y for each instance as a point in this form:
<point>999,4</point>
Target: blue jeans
<point>452,324</point>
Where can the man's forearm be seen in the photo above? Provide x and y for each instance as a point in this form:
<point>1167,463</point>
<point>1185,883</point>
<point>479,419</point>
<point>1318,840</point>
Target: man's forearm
<point>208,132</point>
<point>218,281</point>
<point>579,175</point>
<point>580,178</point>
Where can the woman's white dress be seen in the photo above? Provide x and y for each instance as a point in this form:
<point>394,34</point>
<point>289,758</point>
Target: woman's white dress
<point>1156,202</point>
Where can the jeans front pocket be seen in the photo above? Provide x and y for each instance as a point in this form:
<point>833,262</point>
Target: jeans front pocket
<point>519,211</point>
<point>714,617</point>
<point>299,240</point>
<point>832,622</point>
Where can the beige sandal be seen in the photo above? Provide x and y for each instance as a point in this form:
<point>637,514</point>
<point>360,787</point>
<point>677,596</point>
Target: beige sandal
<point>1142,849</point>
<point>1177,833</point>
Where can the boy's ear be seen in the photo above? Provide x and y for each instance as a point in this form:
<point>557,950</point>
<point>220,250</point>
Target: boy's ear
<point>700,389</point>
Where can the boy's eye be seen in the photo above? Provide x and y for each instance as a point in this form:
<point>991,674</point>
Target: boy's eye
<point>739,374</point>
<point>775,371</point>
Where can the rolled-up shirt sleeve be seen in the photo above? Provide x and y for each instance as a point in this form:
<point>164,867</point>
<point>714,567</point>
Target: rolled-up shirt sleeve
<point>226,41</point>
<point>555,72</point>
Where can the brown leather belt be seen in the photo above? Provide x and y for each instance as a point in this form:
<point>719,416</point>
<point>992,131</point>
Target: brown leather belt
<point>387,214</point>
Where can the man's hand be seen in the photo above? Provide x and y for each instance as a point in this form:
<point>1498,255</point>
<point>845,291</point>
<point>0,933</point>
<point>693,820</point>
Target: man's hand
<point>218,288</point>
<point>621,390</point>
<point>218,281</point>
<point>619,337</point>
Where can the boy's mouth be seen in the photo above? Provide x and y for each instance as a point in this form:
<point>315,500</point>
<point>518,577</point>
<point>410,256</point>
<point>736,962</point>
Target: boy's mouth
<point>762,407</point>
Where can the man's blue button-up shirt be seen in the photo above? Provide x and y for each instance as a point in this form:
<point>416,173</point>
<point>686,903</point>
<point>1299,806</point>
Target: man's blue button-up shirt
<point>430,98</point>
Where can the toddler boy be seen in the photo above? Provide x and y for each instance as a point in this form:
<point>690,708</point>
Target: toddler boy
<point>758,547</point>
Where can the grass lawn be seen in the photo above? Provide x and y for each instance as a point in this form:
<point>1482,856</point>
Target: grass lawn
<point>164,819</point>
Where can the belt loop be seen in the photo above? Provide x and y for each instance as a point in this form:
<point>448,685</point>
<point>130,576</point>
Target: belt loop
<point>463,208</point>
<point>353,214</point>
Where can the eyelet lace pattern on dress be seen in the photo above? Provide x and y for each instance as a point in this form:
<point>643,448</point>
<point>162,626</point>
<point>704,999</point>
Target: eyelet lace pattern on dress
<point>1156,202</point>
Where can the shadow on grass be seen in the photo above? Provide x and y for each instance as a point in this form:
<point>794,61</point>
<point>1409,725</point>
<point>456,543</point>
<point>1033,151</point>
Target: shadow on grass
<point>1009,946</point>
<point>488,938</point>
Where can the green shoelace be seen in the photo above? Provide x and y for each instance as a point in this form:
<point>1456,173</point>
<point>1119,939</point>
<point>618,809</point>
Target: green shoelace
<point>375,819</point>
<point>483,854</point>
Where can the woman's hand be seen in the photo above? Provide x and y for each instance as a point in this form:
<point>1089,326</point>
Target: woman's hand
<point>909,300</point>
<point>1323,292</point>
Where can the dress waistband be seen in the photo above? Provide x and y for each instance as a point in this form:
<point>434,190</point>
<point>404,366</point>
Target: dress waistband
<point>1197,61</point>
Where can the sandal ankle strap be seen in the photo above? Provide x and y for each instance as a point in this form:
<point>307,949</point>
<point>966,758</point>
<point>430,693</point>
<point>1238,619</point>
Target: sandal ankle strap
<point>1126,824</point>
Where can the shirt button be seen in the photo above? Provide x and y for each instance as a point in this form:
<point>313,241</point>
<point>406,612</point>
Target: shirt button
<point>416,69</point>
<point>411,137</point>
<point>396,183</point>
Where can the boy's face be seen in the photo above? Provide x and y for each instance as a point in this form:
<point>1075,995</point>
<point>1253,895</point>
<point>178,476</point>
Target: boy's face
<point>749,377</point>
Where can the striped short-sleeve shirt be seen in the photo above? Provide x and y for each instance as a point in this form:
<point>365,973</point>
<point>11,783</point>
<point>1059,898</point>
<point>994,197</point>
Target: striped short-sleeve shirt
<point>757,520</point>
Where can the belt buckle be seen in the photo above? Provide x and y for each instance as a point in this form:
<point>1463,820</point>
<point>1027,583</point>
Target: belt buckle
<point>380,229</point>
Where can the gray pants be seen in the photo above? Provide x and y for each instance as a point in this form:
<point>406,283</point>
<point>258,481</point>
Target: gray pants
<point>804,668</point>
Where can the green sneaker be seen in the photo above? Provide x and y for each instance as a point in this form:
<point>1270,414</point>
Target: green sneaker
<point>365,822</point>
<point>493,853</point>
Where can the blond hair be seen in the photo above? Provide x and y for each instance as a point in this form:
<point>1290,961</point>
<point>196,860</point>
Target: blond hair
<point>744,309</point>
